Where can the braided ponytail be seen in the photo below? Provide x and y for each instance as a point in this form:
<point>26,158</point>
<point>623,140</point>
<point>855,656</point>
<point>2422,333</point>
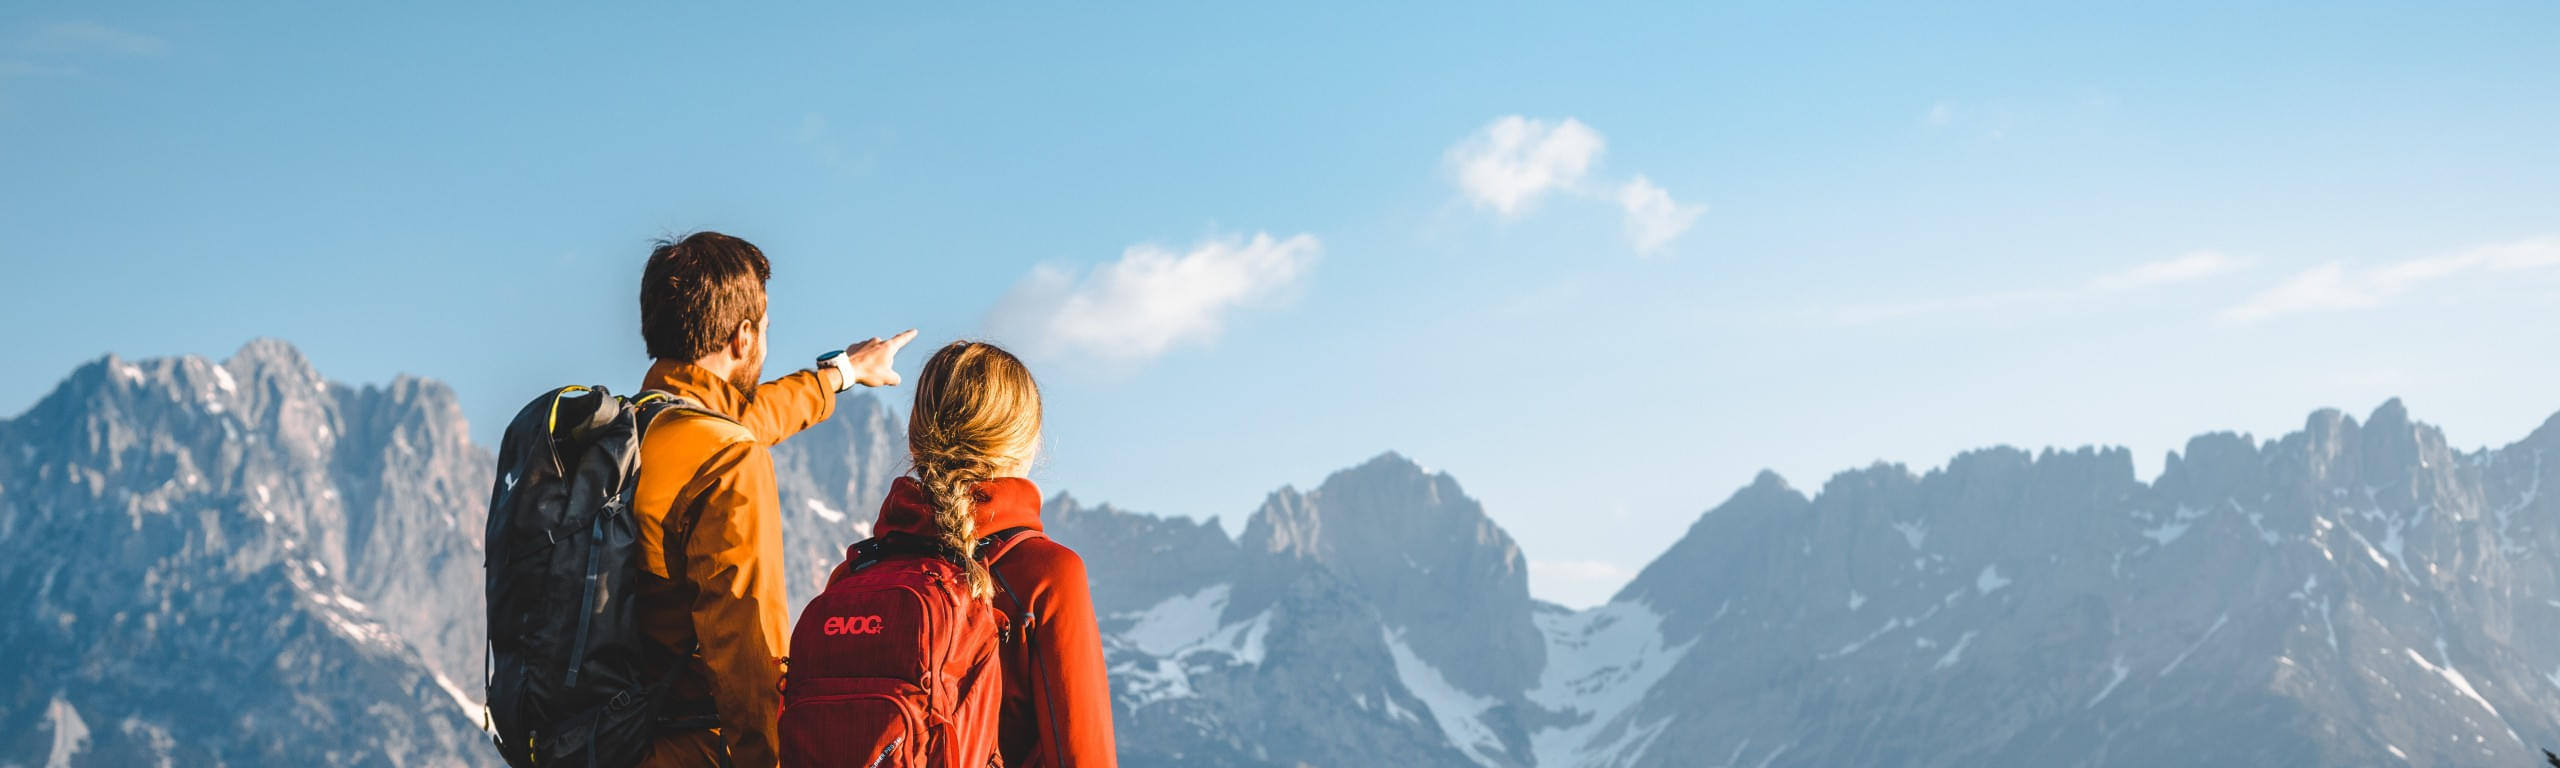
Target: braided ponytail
<point>976,418</point>
<point>951,481</point>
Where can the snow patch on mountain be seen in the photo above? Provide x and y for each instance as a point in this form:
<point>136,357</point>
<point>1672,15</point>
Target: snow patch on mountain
<point>2461,684</point>
<point>1989,580</point>
<point>2176,526</point>
<point>471,707</point>
<point>2121,671</point>
<point>1460,714</point>
<point>70,733</point>
<point>1956,654</point>
<point>1166,642</point>
<point>2218,621</point>
<point>1601,663</point>
<point>1186,623</point>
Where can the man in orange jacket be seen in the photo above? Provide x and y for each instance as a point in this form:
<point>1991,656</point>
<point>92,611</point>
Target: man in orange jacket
<point>710,519</point>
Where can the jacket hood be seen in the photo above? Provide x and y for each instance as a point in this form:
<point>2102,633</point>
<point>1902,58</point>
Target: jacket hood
<point>1004,502</point>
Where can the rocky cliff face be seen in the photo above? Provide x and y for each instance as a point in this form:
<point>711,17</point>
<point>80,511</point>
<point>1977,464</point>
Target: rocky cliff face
<point>1444,577</point>
<point>243,563</point>
<point>2353,593</point>
<point>832,477</point>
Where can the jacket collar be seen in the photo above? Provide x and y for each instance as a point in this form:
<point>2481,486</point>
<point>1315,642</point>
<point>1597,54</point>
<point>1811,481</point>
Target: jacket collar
<point>1004,502</point>
<point>692,382</point>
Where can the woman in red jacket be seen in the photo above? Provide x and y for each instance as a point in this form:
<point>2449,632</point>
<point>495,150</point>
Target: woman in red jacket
<point>972,437</point>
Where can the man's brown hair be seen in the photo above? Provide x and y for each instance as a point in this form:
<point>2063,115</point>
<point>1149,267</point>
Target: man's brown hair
<point>696,291</point>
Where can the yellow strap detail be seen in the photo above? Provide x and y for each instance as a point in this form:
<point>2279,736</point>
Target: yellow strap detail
<point>552,425</point>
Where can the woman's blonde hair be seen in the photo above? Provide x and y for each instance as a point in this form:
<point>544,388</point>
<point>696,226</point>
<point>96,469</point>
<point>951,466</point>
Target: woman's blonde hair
<point>977,415</point>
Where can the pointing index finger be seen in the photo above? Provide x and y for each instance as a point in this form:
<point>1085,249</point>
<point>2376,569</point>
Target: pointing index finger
<point>900,341</point>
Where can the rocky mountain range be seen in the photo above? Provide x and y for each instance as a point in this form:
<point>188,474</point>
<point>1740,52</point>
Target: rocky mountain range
<point>243,563</point>
<point>240,563</point>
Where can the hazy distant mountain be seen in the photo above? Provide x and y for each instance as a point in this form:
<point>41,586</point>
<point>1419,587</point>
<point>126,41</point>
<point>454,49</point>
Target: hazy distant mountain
<point>2351,594</point>
<point>242,563</point>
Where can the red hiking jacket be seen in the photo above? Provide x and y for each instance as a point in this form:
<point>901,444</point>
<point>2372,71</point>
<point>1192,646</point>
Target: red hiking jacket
<point>1057,699</point>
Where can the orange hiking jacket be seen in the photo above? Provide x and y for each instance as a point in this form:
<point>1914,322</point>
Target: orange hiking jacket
<point>715,478</point>
<point>1057,700</point>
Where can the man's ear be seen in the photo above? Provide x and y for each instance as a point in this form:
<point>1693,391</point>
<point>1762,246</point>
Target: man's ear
<point>742,340</point>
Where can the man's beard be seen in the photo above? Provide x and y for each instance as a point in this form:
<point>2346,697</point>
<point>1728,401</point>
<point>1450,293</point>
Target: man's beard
<point>744,377</point>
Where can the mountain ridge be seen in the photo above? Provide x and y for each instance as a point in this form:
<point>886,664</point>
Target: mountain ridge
<point>2354,591</point>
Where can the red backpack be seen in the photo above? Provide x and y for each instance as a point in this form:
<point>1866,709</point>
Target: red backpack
<point>893,666</point>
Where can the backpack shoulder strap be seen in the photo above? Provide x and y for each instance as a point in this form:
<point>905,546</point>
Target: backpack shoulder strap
<point>993,546</point>
<point>1023,619</point>
<point>867,551</point>
<point>655,403</point>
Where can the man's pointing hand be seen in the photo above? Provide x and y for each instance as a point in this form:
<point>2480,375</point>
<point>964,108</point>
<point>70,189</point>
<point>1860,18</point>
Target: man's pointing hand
<point>869,360</point>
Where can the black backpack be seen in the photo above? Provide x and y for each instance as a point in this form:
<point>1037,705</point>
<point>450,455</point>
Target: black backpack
<point>567,680</point>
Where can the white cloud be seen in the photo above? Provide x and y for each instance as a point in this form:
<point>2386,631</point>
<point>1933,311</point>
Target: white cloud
<point>1152,298</point>
<point>2332,287</point>
<point>1514,160</point>
<point>1940,114</point>
<point>1576,584</point>
<point>88,37</point>
<point>1653,218</point>
<point>2531,253</point>
<point>2195,265</point>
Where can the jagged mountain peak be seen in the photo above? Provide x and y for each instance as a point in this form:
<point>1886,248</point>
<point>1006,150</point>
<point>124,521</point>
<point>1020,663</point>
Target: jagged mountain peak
<point>275,545</point>
<point>1768,481</point>
<point>1434,564</point>
<point>1387,495</point>
<point>275,357</point>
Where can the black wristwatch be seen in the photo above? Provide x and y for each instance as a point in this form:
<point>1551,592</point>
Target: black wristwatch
<point>834,358</point>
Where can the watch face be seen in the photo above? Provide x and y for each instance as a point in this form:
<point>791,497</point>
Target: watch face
<point>830,356</point>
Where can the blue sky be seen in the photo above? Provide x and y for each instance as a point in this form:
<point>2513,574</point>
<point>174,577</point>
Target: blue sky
<point>1602,263</point>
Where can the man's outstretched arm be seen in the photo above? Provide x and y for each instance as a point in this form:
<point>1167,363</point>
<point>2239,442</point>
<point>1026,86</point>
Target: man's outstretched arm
<point>782,407</point>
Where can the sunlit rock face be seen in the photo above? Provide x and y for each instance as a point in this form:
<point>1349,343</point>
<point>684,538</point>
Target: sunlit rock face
<point>241,562</point>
